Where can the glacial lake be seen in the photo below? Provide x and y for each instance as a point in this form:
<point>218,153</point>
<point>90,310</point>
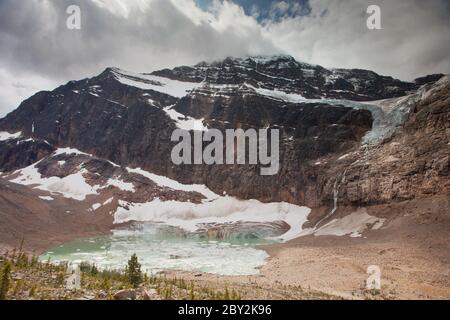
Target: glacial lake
<point>159,247</point>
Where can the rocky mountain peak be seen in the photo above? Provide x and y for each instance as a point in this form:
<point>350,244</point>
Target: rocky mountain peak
<point>284,73</point>
<point>128,118</point>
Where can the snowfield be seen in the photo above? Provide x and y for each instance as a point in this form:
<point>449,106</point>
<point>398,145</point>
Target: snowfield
<point>8,136</point>
<point>189,216</point>
<point>185,122</point>
<point>353,224</point>
<point>72,186</point>
<point>120,184</point>
<point>170,87</point>
<point>163,181</point>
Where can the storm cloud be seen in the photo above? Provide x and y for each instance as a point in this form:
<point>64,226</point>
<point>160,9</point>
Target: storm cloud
<point>37,51</point>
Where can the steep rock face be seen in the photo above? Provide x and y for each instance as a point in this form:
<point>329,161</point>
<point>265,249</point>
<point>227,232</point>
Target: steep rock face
<point>131,127</point>
<point>129,118</point>
<point>19,153</point>
<point>414,164</point>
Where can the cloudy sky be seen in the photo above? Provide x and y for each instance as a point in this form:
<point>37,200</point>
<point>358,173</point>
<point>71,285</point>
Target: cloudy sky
<point>38,51</point>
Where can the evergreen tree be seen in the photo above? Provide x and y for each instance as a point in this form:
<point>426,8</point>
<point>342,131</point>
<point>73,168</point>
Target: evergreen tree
<point>94,270</point>
<point>4,280</point>
<point>134,272</point>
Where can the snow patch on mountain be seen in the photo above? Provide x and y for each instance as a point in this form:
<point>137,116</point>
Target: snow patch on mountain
<point>170,87</point>
<point>96,206</point>
<point>281,95</point>
<point>72,186</point>
<point>175,185</point>
<point>353,224</point>
<point>69,151</point>
<point>108,201</point>
<point>267,59</point>
<point>46,198</point>
<point>8,136</point>
<point>185,122</point>
<point>120,184</point>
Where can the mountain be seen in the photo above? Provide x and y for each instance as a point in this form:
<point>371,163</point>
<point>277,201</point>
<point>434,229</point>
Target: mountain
<point>286,74</point>
<point>349,138</point>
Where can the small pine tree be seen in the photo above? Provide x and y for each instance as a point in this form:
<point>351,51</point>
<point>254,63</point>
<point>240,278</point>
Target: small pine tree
<point>94,270</point>
<point>4,280</point>
<point>134,272</point>
<point>34,261</point>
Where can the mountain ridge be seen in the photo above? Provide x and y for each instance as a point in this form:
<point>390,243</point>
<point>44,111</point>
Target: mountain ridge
<point>103,116</point>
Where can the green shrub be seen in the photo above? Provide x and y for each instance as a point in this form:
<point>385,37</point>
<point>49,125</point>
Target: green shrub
<point>5,276</point>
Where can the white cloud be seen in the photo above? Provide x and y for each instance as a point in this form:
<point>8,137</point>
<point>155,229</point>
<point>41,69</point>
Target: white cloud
<point>17,87</point>
<point>123,8</point>
<point>37,51</point>
<point>413,42</point>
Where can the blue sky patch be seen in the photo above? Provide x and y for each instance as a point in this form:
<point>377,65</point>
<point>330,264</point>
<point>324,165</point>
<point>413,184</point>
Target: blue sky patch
<point>268,10</point>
